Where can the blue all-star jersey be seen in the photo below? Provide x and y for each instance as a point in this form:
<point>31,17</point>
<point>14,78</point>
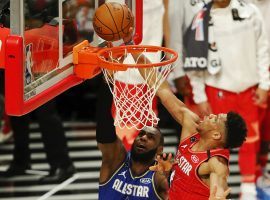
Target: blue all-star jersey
<point>124,186</point>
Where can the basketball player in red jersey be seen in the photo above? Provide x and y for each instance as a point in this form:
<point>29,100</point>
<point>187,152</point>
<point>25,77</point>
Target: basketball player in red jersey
<point>201,169</point>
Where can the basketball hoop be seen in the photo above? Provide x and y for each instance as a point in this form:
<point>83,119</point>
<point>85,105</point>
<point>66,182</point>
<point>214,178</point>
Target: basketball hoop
<point>132,79</point>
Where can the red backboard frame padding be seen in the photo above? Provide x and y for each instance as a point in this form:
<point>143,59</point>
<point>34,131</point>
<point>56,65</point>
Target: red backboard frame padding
<point>4,32</point>
<point>139,22</point>
<point>14,83</point>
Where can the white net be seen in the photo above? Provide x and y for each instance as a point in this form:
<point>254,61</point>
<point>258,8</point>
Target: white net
<point>134,89</point>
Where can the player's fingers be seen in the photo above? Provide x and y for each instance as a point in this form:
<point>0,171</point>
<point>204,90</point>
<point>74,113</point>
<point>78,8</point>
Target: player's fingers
<point>170,156</point>
<point>164,156</point>
<point>227,192</point>
<point>109,44</point>
<point>158,158</point>
<point>153,168</point>
<point>130,29</point>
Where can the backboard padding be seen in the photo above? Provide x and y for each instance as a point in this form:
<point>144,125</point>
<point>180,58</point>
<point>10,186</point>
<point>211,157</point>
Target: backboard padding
<point>39,48</point>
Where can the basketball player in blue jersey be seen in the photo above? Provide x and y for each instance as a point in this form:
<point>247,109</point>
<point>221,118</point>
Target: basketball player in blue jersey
<point>126,175</point>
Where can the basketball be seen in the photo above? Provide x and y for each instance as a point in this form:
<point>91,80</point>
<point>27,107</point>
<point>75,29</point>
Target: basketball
<point>112,21</point>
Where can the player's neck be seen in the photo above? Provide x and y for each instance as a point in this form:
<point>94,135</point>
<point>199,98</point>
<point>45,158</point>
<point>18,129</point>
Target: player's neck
<point>139,168</point>
<point>204,145</point>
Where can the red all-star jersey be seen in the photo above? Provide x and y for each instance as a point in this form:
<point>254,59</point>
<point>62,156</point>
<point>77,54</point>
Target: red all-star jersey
<point>185,182</point>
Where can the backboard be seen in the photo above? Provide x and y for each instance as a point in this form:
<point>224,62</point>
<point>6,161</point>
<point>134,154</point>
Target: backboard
<point>38,51</point>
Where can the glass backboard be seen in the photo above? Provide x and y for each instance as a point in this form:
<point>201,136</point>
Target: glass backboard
<point>38,51</point>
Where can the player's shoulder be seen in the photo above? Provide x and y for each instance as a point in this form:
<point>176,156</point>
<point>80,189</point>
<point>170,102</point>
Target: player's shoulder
<point>218,159</point>
<point>218,164</point>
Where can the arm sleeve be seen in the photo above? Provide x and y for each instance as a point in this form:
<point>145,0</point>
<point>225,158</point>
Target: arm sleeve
<point>263,61</point>
<point>197,83</point>
<point>105,123</point>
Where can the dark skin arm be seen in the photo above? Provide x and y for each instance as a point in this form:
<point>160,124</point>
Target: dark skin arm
<point>162,185</point>
<point>113,155</point>
<point>113,152</point>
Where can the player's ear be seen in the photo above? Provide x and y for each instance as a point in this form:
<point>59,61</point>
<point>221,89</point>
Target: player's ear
<point>216,135</point>
<point>128,36</point>
<point>131,29</point>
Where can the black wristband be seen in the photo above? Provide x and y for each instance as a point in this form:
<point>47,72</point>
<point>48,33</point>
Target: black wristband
<point>105,128</point>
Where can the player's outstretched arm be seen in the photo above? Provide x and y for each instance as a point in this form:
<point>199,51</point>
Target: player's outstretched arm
<point>113,152</point>
<point>184,116</point>
<point>219,173</point>
<point>175,107</point>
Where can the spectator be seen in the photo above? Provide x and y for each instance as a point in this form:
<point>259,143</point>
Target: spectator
<point>55,144</point>
<point>264,112</point>
<point>233,73</point>
<point>181,14</point>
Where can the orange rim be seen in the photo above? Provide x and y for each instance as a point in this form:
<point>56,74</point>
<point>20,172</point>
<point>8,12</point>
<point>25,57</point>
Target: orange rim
<point>135,49</point>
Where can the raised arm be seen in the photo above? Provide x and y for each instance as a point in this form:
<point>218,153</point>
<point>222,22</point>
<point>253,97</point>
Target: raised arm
<point>175,107</point>
<point>183,115</point>
<point>113,152</point>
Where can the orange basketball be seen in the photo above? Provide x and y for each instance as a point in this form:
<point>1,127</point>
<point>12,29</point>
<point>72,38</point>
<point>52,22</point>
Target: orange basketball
<point>112,21</point>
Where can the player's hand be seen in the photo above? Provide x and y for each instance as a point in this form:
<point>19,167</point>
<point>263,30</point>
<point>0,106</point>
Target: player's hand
<point>163,164</point>
<point>204,109</point>
<point>109,44</point>
<point>214,196</point>
<point>190,120</point>
<point>129,35</point>
<point>260,98</point>
<point>106,44</point>
<point>182,86</point>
